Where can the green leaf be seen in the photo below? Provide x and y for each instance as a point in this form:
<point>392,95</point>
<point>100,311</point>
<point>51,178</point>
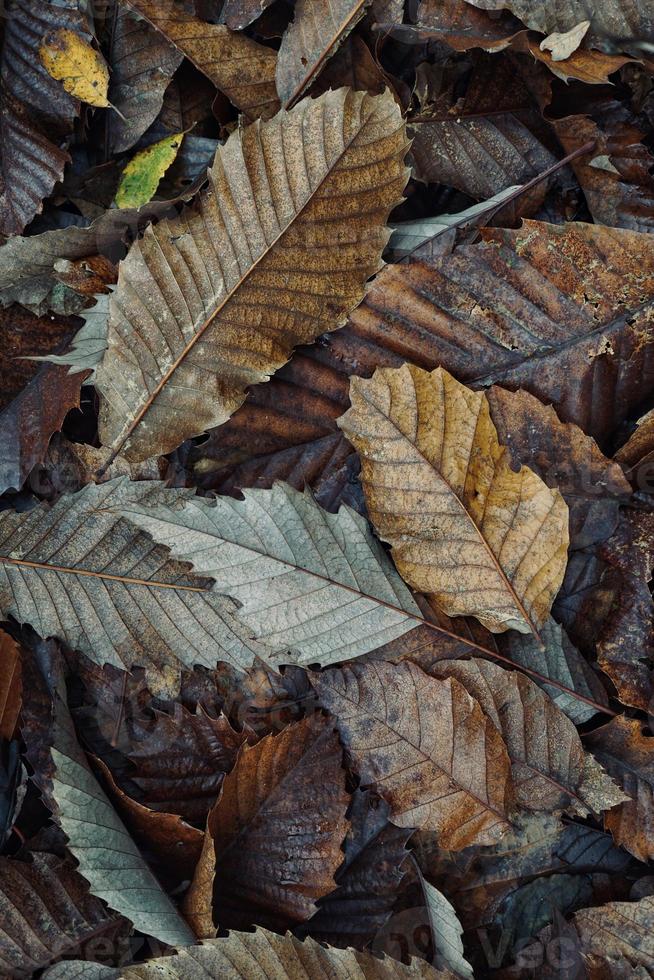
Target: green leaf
<point>142,174</point>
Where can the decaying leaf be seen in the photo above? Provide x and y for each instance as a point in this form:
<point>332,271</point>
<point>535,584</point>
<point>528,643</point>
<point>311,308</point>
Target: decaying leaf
<point>237,65</point>
<point>367,882</point>
<point>48,913</point>
<point>484,540</point>
<point>561,311</point>
<point>141,176</point>
<point>81,69</point>
<point>142,65</point>
<point>481,155</point>
<point>209,346</point>
<point>179,768</point>
<point>565,458</point>
<point>273,839</point>
<point>628,755</point>
<point>406,734</point>
<point>319,26</point>
<point>544,747</point>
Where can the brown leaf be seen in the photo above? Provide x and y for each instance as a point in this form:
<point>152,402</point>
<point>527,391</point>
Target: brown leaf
<point>273,839</point>
<point>11,685</point>
<point>142,64</point>
<point>368,881</point>
<point>484,540</point>
<point>329,466</point>
<point>48,913</point>
<point>178,767</point>
<point>586,65</point>
<point>616,175</point>
<point>617,939</point>
<point>628,755</point>
<point>424,745</point>
<point>162,836</point>
<point>237,14</point>
<point>476,314</point>
<point>563,457</point>
<point>34,400</point>
<point>318,28</point>
<point>237,65</point>
<point>561,311</point>
<point>545,750</point>
<point>150,406</point>
<point>489,139</point>
<point>460,26</point>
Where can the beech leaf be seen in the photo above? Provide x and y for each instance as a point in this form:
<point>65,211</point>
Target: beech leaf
<point>318,584</point>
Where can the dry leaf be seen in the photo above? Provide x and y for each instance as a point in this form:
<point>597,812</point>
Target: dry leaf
<point>77,571</point>
<point>484,540</point>
<point>426,746</point>
<point>273,839</point>
<point>262,955</point>
<point>545,750</point>
<point>237,65</point>
<point>318,28</point>
<point>142,65</point>
<point>628,755</point>
<point>563,45</point>
<point>211,346</point>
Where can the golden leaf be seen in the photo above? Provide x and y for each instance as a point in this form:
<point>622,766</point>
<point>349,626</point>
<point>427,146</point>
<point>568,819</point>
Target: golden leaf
<point>70,59</point>
<point>484,540</point>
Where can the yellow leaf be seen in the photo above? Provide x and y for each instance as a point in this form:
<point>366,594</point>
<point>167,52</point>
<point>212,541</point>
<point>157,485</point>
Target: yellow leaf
<point>142,174</point>
<point>483,539</point>
<point>70,59</point>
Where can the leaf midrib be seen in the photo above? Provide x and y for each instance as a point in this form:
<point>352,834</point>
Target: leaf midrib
<point>125,579</point>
